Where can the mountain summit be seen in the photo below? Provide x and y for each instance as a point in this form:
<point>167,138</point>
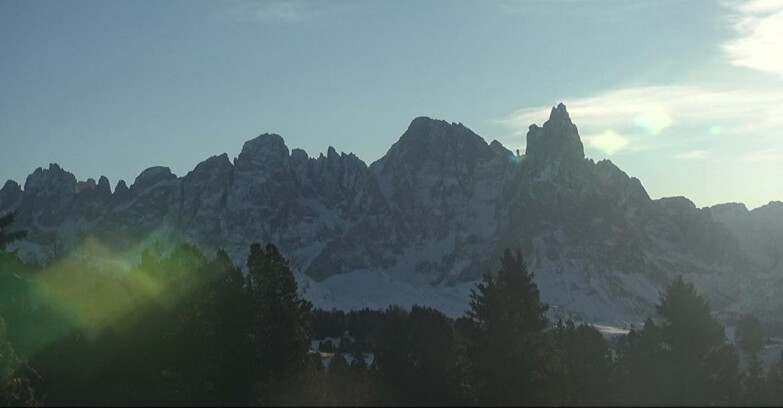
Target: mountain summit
<point>557,139</point>
<point>424,222</point>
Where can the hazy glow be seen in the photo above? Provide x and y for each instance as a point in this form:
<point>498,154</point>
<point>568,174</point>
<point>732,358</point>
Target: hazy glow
<point>760,44</point>
<point>609,142</point>
<point>514,159</point>
<point>693,155</point>
<point>642,114</point>
<point>653,120</point>
<point>706,131</point>
<point>64,286</point>
<point>762,156</point>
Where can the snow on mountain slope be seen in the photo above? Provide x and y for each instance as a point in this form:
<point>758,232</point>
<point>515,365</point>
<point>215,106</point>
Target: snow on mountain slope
<point>424,222</point>
<point>760,235</point>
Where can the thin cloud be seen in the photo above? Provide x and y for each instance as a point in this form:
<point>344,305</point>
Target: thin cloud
<point>759,24</point>
<point>609,142</point>
<point>270,12</point>
<point>618,12</point>
<point>647,117</point>
<point>761,156</point>
<point>692,155</point>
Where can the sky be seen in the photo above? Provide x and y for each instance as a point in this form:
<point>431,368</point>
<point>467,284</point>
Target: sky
<point>687,96</point>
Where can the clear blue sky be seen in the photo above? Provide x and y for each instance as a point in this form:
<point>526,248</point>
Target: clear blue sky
<point>685,95</point>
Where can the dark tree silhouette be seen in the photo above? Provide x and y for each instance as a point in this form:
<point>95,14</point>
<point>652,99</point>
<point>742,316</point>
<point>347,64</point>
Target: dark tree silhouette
<point>280,322</point>
<point>639,375</point>
<point>16,388</point>
<point>584,365</point>
<point>420,355</point>
<point>507,346</point>
<point>775,382</point>
<point>750,333</point>
<point>755,388</point>
<point>686,361</point>
<point>8,236</point>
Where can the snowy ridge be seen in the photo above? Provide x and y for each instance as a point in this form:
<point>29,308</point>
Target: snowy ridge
<point>424,222</point>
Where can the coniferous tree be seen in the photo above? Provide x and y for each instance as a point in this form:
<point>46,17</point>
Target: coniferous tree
<point>755,391</point>
<point>14,285</point>
<point>686,361</point>
<point>15,385</point>
<point>419,355</point>
<point>750,334</point>
<point>639,376</point>
<point>16,389</point>
<point>8,236</point>
<point>774,377</point>
<point>341,387</point>
<point>754,384</point>
<point>584,365</point>
<point>280,324</point>
<point>703,365</point>
<point>507,346</point>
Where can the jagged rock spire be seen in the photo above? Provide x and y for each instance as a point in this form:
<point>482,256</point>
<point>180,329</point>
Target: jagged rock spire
<point>558,138</point>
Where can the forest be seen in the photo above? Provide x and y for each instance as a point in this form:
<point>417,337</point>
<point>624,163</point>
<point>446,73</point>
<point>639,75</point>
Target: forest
<point>186,328</point>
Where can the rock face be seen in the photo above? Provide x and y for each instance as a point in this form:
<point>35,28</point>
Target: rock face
<point>423,223</point>
<point>760,235</point>
<point>557,140</point>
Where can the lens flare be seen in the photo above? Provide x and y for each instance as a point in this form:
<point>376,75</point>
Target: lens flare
<point>654,120</point>
<point>609,142</point>
<point>96,289</point>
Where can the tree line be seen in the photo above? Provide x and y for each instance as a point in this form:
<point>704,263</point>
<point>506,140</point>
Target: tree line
<point>181,328</point>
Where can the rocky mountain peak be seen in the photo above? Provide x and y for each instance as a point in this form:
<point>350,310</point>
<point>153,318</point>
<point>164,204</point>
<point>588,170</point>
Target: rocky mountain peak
<point>103,186</point>
<point>267,145</point>
<point>678,204</point>
<point>558,138</point>
<point>426,127</point>
<point>299,156</point>
<point>150,177</point>
<point>266,153</point>
<point>436,210</point>
<point>10,195</point>
<point>86,185</point>
<point>432,138</point>
<point>10,187</point>
<point>121,192</point>
<point>54,180</point>
<point>214,163</point>
<point>332,154</point>
<point>500,149</point>
<point>559,113</point>
<point>729,208</point>
<point>121,187</point>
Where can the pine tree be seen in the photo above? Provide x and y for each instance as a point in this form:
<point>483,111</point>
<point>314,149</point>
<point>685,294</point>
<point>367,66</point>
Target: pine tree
<point>507,345</point>
<point>639,376</point>
<point>753,380</point>
<point>280,324</point>
<point>7,236</point>
<point>704,366</point>
<point>775,382</point>
<point>584,364</point>
<point>754,385</point>
<point>420,356</point>
<point>686,361</point>
<point>688,326</point>
<point>751,334</point>
<point>15,387</point>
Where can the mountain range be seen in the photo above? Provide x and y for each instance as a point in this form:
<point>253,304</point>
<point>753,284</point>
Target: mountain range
<point>424,222</point>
